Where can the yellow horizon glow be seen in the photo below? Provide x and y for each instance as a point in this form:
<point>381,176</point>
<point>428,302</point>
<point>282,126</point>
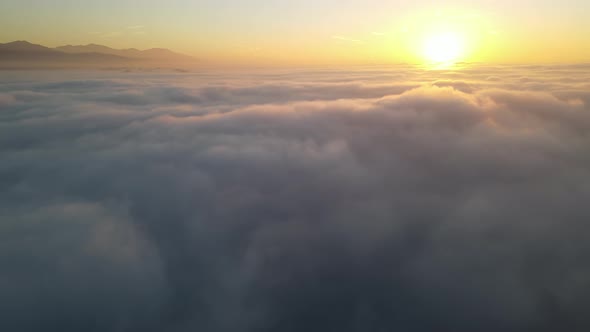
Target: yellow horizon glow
<point>418,33</point>
<point>443,39</point>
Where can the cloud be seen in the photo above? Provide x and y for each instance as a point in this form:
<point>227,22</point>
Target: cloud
<point>346,200</point>
<point>346,39</point>
<point>137,29</point>
<point>112,34</point>
<point>6,99</point>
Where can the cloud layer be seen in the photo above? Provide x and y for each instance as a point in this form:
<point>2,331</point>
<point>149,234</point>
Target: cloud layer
<point>391,199</point>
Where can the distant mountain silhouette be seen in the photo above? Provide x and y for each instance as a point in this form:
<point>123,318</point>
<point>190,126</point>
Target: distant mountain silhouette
<point>22,54</point>
<point>151,54</point>
<point>23,46</point>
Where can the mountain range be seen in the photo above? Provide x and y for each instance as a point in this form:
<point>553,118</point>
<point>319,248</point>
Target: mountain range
<point>20,54</point>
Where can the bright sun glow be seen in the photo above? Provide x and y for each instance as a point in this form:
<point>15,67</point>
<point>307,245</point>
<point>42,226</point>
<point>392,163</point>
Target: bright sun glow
<point>443,48</point>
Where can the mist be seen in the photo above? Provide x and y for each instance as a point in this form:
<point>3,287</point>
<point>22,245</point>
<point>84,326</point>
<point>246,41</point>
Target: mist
<point>364,199</point>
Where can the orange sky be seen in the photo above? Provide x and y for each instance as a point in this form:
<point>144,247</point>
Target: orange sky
<point>313,32</point>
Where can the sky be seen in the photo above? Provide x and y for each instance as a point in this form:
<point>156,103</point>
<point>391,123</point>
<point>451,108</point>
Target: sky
<point>311,32</point>
<point>328,191</point>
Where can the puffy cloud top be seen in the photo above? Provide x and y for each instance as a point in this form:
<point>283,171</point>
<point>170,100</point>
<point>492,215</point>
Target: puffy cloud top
<point>390,199</point>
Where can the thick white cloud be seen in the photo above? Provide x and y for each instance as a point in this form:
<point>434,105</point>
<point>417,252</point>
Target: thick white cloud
<point>345,200</point>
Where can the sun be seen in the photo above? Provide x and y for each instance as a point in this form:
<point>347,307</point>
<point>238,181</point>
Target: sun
<point>443,48</point>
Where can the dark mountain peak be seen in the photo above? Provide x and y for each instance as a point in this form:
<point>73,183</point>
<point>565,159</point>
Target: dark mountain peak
<point>22,45</point>
<point>90,48</point>
<point>98,46</point>
<point>153,54</point>
<point>19,42</point>
<point>87,55</point>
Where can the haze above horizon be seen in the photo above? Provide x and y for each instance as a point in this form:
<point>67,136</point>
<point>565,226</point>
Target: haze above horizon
<point>314,32</point>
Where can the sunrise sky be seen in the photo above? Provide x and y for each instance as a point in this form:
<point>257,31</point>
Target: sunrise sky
<point>314,32</point>
<point>294,165</point>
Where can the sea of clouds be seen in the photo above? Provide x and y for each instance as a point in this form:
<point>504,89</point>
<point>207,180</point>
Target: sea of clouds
<point>366,199</point>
